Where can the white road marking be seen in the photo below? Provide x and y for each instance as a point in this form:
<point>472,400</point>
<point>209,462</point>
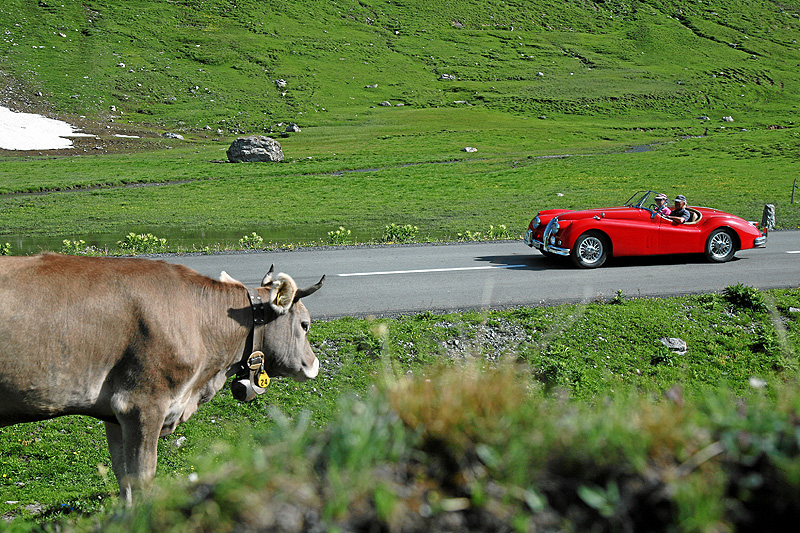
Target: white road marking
<point>793,252</point>
<point>426,270</point>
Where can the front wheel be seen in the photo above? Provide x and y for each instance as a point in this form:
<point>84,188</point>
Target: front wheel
<point>720,246</point>
<point>590,250</point>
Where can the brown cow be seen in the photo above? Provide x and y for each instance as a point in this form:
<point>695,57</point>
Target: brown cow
<point>139,344</point>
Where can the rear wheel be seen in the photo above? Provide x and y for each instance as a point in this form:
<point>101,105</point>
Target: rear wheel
<point>590,250</point>
<point>720,246</point>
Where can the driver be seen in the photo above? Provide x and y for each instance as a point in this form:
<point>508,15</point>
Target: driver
<point>679,214</point>
<point>661,205</point>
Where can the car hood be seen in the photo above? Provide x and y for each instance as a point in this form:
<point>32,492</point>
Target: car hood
<point>606,212</point>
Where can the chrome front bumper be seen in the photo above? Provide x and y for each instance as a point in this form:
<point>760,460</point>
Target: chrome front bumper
<point>545,245</point>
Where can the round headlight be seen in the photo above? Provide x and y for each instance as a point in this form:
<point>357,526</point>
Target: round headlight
<point>535,222</point>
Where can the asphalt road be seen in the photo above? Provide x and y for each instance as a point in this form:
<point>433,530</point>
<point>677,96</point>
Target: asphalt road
<point>390,280</point>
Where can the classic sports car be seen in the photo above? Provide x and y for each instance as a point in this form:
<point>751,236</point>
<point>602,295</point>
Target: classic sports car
<point>590,237</point>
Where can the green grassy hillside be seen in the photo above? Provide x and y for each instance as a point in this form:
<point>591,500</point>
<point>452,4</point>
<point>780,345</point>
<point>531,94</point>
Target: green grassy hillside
<point>192,64</point>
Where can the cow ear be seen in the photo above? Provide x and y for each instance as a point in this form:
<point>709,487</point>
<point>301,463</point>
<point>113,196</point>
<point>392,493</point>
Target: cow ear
<point>281,293</point>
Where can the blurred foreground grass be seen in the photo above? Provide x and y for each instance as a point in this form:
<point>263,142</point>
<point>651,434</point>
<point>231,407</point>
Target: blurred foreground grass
<point>567,417</point>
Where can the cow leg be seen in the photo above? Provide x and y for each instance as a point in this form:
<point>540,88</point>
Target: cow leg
<point>133,444</point>
<point>117,451</point>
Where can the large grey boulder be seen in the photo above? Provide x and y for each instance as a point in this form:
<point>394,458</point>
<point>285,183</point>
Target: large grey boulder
<point>254,148</point>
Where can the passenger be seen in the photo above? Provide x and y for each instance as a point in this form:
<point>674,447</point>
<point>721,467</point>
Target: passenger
<point>679,214</point>
<point>661,205</point>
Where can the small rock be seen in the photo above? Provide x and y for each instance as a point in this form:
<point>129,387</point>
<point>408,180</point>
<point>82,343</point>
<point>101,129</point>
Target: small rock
<point>469,149</point>
<point>728,119</point>
<point>676,345</point>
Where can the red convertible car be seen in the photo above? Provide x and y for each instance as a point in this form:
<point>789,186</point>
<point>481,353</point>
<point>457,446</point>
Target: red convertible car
<point>590,237</point>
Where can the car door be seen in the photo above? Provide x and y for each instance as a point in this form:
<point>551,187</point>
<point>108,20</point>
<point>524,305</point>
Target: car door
<point>634,232</point>
<point>679,238</point>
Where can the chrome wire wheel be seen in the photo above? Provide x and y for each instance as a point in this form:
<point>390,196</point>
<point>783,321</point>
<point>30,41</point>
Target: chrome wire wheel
<point>720,246</point>
<point>590,251</point>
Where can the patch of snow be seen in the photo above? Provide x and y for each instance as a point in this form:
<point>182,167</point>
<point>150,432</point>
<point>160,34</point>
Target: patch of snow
<point>27,131</point>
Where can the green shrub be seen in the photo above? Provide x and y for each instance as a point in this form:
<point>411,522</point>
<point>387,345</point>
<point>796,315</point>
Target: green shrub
<point>469,236</point>
<point>73,247</point>
<point>5,249</point>
<point>619,298</point>
<point>663,356</point>
<point>499,233</point>
<point>744,297</point>
<point>142,244</point>
<point>251,241</point>
<point>396,233</point>
<point>340,236</point>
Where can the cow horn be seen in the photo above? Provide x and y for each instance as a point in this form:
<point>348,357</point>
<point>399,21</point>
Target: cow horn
<point>268,276</point>
<point>302,293</point>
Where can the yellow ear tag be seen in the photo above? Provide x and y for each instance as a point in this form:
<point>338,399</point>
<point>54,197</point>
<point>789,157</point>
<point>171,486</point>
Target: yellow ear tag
<point>262,379</point>
<point>278,300</point>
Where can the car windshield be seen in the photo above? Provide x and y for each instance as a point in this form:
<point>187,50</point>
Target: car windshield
<point>639,199</point>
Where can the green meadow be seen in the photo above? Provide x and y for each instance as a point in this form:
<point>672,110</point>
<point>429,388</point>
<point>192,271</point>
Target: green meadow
<point>195,202</point>
<point>564,418</point>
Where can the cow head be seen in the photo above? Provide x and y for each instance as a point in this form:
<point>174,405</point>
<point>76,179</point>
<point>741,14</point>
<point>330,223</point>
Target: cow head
<point>281,334</point>
<point>285,335</point>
